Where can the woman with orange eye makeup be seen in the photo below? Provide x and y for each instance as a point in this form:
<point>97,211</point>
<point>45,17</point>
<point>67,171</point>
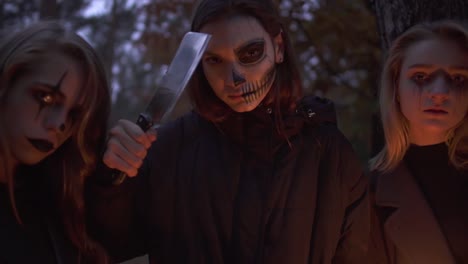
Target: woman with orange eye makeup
<point>54,105</point>
<point>256,173</point>
<point>420,178</point>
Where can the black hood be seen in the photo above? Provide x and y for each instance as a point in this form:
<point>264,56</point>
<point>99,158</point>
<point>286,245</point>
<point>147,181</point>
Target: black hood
<point>317,109</point>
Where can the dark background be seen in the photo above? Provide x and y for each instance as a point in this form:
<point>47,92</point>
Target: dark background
<point>340,45</point>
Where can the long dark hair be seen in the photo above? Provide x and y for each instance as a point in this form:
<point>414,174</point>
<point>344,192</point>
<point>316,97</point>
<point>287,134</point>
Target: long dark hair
<point>75,159</point>
<point>287,87</point>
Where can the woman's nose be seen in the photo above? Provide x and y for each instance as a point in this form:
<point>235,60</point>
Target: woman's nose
<point>56,120</point>
<point>439,88</point>
<point>234,77</point>
<point>440,85</point>
<point>237,78</point>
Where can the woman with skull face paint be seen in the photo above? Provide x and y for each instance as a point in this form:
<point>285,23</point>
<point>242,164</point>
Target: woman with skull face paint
<point>54,105</point>
<point>255,174</point>
<point>420,178</point>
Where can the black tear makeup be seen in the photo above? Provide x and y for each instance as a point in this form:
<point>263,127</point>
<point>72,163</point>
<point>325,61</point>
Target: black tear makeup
<point>46,98</point>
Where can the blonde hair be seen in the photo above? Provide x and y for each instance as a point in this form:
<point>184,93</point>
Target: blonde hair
<point>395,125</point>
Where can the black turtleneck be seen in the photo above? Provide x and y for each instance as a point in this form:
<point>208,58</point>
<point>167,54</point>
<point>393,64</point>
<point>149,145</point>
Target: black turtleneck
<point>446,190</point>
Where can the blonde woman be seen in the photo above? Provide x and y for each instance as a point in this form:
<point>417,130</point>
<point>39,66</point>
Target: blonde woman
<point>420,178</point>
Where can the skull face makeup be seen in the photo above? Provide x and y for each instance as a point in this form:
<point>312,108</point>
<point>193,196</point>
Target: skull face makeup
<point>240,60</point>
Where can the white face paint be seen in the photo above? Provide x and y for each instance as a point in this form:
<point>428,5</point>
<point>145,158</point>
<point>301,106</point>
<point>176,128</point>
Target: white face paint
<point>240,60</point>
<point>433,89</point>
<point>40,108</point>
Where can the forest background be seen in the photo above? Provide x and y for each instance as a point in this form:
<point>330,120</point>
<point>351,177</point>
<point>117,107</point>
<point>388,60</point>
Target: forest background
<point>337,43</point>
<point>340,45</point>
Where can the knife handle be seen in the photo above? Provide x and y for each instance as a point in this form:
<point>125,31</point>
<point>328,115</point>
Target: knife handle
<point>118,177</point>
<point>145,122</point>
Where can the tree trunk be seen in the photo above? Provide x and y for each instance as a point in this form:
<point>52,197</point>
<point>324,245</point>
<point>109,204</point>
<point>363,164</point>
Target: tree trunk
<point>48,9</point>
<point>396,16</point>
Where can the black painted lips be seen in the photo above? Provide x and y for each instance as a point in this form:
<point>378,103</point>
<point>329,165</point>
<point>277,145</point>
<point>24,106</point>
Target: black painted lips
<point>41,145</point>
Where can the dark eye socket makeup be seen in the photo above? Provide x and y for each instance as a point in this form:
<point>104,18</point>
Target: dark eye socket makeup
<point>251,52</point>
<point>422,73</point>
<point>457,81</point>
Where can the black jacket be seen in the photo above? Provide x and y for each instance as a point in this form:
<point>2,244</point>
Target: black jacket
<point>41,237</point>
<point>238,192</point>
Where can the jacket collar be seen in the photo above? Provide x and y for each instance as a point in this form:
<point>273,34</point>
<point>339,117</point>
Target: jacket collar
<point>412,227</point>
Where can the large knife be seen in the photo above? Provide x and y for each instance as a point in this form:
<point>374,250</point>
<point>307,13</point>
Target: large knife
<point>172,85</point>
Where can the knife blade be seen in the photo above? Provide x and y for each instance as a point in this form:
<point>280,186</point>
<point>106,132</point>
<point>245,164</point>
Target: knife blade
<point>172,85</point>
<point>175,80</point>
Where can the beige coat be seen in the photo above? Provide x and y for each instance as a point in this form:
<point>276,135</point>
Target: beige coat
<point>404,227</point>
